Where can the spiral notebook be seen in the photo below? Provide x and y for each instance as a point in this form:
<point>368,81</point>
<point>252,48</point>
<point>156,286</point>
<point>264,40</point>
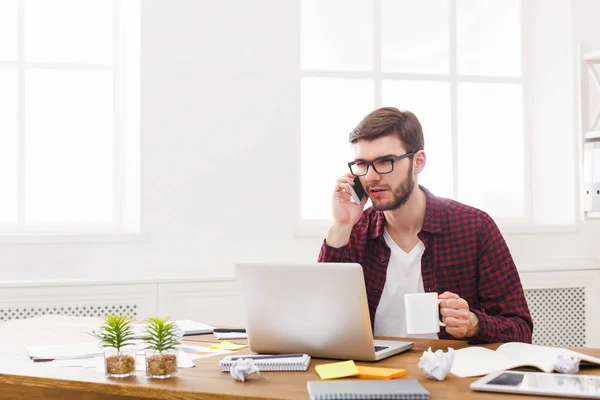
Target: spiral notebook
<point>271,362</point>
<point>402,389</point>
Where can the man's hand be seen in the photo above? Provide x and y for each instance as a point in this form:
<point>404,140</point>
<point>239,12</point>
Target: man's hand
<point>460,322</point>
<point>345,212</point>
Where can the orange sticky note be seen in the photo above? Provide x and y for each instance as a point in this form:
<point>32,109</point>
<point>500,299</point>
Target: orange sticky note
<point>343,369</point>
<point>379,373</point>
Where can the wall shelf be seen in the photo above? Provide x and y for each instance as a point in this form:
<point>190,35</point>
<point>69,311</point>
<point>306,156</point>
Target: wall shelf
<point>592,56</point>
<point>592,135</point>
<point>589,81</point>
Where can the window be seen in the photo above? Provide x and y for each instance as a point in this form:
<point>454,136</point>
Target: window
<point>457,64</point>
<point>69,112</point>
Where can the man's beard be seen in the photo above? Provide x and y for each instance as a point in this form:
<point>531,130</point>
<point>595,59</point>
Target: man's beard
<point>401,194</point>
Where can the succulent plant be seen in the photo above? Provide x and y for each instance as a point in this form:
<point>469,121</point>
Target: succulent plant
<point>162,334</point>
<point>116,332</point>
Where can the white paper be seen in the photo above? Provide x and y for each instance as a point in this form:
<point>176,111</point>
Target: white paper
<point>65,351</point>
<point>75,362</point>
<point>436,365</point>
<point>197,352</point>
<point>476,361</point>
<point>242,368</point>
<point>183,360</point>
<point>566,364</point>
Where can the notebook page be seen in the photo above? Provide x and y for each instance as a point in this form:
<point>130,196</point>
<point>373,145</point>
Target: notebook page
<point>542,357</point>
<point>475,361</point>
<point>525,354</point>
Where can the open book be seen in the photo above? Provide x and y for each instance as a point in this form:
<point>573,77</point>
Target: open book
<point>477,361</point>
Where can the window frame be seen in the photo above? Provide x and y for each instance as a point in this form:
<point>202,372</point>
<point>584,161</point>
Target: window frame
<point>525,224</point>
<point>125,152</point>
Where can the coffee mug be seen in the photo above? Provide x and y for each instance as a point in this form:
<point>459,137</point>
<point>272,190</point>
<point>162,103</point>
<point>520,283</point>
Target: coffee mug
<point>422,313</point>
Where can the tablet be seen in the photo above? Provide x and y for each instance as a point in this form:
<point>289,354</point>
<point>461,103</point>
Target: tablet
<point>539,383</point>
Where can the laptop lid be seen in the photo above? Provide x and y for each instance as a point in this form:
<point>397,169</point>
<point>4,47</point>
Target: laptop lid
<point>319,309</point>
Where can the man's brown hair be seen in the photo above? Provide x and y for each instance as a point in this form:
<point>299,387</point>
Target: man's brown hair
<point>389,121</point>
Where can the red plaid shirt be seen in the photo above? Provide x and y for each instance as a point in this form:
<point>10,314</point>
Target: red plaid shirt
<point>465,253</point>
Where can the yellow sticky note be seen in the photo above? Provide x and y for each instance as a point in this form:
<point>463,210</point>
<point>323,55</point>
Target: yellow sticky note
<point>336,370</point>
<point>225,345</point>
<point>379,372</point>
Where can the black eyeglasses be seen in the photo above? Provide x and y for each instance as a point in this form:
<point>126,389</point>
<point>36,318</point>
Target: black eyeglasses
<point>381,166</point>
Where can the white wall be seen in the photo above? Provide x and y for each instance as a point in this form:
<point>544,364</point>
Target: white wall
<point>220,99</point>
<point>220,124</point>
<point>586,25</point>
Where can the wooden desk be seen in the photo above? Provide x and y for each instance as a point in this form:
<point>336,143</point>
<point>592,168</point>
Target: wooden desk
<point>206,381</point>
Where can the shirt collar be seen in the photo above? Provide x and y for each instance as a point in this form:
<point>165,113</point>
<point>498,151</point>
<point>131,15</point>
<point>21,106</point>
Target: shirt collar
<point>432,222</point>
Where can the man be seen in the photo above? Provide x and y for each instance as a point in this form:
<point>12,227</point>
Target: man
<point>411,241</point>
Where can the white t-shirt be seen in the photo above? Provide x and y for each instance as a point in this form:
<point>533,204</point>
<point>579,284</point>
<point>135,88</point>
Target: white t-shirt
<point>403,276</point>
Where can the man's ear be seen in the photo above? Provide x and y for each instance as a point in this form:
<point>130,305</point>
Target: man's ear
<point>419,161</point>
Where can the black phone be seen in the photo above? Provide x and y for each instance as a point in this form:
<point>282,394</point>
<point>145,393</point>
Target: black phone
<point>357,191</point>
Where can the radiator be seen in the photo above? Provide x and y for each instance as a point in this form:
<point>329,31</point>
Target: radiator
<point>558,316</point>
<point>96,310</point>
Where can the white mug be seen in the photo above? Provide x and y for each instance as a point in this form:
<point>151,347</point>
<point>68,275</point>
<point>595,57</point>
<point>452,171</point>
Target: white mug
<point>422,313</point>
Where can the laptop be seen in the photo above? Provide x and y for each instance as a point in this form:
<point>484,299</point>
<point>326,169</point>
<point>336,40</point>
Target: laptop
<point>319,309</point>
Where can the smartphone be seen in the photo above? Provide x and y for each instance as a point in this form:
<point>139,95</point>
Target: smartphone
<point>357,191</point>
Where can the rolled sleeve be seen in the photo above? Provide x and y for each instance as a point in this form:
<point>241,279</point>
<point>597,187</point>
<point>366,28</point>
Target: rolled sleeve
<point>501,329</point>
<point>503,313</point>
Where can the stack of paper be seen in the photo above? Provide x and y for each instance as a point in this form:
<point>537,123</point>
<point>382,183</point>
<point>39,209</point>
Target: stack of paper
<point>226,333</point>
<point>193,328</point>
<point>230,335</point>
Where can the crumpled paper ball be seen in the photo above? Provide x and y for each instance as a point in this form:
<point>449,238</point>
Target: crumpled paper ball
<point>242,368</point>
<point>566,364</point>
<point>436,365</point>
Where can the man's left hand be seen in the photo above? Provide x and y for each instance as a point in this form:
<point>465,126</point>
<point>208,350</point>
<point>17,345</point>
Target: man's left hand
<point>460,321</point>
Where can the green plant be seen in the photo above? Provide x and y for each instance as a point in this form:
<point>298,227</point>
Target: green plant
<point>116,332</point>
<point>162,334</point>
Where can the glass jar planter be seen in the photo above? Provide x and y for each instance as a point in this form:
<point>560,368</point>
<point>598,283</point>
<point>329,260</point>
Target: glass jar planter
<point>120,363</point>
<point>161,364</point>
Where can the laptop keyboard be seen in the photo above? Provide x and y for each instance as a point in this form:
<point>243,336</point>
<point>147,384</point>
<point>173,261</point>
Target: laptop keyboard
<point>379,348</point>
